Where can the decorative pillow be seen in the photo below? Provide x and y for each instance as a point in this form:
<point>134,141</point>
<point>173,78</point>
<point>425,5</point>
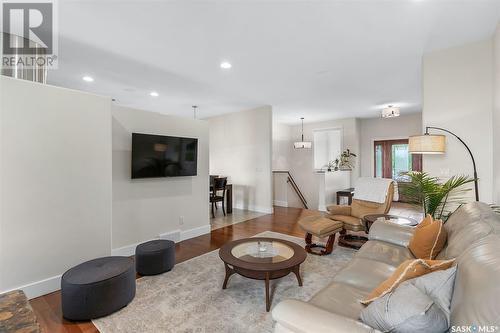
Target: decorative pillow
<point>409,269</point>
<point>439,286</point>
<point>418,305</point>
<point>428,239</point>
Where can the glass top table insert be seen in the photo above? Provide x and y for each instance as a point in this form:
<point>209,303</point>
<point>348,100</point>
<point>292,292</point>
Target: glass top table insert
<point>263,251</point>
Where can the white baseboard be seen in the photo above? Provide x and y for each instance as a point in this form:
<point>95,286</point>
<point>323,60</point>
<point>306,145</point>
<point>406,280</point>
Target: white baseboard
<point>46,286</point>
<point>174,236</point>
<point>322,208</point>
<point>260,209</point>
<point>195,232</point>
<point>280,203</point>
<point>39,288</point>
<point>129,250</point>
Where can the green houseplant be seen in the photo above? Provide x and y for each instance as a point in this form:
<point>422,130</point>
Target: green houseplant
<point>343,162</point>
<point>435,197</point>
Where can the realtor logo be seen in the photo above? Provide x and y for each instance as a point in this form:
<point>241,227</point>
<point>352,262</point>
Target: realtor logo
<point>29,35</point>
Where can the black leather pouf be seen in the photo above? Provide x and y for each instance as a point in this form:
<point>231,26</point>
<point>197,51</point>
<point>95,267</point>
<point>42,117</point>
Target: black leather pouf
<point>154,257</point>
<point>97,288</point>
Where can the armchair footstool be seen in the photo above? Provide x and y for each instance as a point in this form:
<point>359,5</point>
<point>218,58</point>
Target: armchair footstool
<point>321,227</point>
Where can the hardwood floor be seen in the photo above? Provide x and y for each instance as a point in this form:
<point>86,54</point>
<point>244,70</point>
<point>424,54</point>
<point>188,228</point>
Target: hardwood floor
<point>284,220</point>
<point>48,307</point>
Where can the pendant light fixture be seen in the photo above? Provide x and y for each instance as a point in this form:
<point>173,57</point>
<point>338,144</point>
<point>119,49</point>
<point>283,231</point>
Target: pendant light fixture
<point>302,144</point>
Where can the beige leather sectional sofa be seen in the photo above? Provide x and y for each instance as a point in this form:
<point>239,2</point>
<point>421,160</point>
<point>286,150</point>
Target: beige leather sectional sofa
<point>473,238</point>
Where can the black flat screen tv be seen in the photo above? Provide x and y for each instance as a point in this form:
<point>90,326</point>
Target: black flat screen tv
<point>163,156</point>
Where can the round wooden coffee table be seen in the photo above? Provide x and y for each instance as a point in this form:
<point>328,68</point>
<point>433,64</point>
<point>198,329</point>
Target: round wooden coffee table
<point>262,258</point>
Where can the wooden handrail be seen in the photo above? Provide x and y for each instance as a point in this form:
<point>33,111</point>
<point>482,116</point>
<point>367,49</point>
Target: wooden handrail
<point>294,185</point>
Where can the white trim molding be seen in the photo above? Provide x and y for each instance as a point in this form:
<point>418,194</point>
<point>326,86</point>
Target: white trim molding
<point>175,236</point>
<point>195,232</point>
<point>39,288</point>
<point>259,209</point>
<point>51,284</point>
<point>129,250</point>
<point>280,203</point>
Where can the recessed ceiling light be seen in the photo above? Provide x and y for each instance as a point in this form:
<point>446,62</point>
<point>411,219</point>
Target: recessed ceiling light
<point>87,78</point>
<point>225,65</point>
<point>154,94</point>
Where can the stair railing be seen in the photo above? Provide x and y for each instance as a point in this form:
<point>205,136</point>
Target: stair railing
<point>294,185</point>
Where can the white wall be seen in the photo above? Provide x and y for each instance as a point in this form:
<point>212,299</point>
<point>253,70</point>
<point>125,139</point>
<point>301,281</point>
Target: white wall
<point>496,117</point>
<point>56,183</point>
<point>282,146</point>
<point>301,161</point>
<point>144,209</point>
<point>385,129</point>
<point>241,148</point>
<point>457,95</point>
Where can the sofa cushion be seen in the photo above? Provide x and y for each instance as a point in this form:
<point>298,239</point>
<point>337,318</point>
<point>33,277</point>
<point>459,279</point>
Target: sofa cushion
<point>428,239</point>
<point>409,269</point>
<point>341,299</point>
<point>418,305</point>
<point>477,285</point>
<point>384,252</point>
<point>364,274</point>
<point>468,224</point>
<point>392,233</point>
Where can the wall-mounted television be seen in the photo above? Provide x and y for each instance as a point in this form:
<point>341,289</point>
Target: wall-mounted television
<point>163,156</point>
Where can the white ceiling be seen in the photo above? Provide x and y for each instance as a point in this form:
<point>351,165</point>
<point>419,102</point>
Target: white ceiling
<point>317,59</point>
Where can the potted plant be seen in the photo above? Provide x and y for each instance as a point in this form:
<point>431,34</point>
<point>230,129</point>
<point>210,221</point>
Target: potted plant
<point>343,162</point>
<point>435,197</point>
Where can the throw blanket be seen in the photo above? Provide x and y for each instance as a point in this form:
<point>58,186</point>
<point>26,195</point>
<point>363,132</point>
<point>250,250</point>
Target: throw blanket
<point>372,189</point>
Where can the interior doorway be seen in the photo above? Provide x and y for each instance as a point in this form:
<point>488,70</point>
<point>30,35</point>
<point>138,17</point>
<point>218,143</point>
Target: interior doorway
<point>392,159</point>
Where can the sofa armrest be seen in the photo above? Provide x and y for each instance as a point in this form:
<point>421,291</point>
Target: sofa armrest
<point>391,233</point>
<point>339,210</point>
<point>301,317</point>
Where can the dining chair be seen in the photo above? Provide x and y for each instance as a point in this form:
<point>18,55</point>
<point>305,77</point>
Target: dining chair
<point>219,185</point>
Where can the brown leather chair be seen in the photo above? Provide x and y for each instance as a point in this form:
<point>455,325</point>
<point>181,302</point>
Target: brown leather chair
<point>352,215</point>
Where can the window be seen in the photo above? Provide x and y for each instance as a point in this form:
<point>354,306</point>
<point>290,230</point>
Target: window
<point>327,146</point>
<point>392,158</point>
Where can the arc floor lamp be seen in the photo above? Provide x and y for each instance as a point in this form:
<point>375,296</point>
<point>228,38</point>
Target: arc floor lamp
<point>436,144</point>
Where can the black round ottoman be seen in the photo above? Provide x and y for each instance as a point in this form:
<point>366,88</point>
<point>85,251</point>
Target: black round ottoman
<point>154,257</point>
<point>97,288</point>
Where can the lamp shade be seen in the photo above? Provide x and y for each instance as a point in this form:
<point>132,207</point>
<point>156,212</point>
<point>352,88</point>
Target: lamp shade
<point>427,144</point>
<point>302,145</point>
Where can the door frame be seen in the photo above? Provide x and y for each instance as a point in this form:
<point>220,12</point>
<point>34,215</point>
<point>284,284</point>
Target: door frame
<point>372,155</point>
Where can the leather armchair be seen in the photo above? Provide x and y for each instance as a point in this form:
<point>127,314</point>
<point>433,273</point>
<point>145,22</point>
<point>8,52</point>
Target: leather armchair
<point>351,215</point>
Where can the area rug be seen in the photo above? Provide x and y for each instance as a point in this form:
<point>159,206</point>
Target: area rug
<point>190,297</point>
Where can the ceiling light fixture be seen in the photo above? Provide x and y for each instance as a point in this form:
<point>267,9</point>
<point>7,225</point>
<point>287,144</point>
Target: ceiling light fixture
<point>302,144</point>
<point>154,94</point>
<point>390,112</point>
<point>225,65</point>
<point>87,78</point>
